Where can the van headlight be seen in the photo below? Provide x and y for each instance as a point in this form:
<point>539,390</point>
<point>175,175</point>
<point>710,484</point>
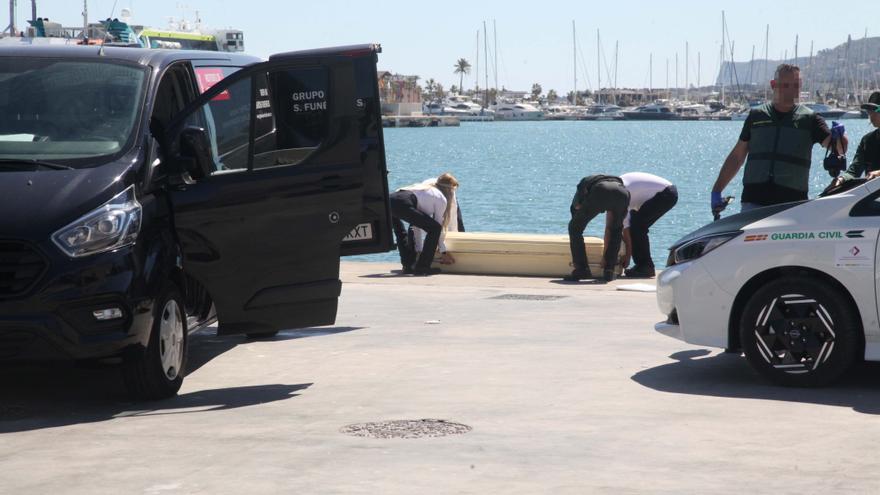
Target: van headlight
<point>700,246</point>
<point>112,225</point>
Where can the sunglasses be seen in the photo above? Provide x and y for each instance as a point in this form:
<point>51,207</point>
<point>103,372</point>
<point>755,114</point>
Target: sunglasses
<point>788,85</point>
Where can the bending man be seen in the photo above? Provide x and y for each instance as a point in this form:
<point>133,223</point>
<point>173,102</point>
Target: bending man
<point>650,197</point>
<point>596,194</point>
<point>427,207</point>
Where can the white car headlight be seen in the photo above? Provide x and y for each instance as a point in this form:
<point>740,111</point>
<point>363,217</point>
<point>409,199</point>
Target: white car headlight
<point>698,247</point>
<point>112,225</point>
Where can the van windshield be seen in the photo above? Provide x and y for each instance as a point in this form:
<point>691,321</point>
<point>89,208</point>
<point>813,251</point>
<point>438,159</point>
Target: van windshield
<point>67,110</point>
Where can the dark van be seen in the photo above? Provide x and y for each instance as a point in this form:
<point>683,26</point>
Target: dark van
<point>145,194</point>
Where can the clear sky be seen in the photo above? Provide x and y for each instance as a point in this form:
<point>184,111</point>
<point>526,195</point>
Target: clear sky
<point>534,38</point>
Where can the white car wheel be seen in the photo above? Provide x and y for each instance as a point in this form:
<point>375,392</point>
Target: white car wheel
<point>797,331</point>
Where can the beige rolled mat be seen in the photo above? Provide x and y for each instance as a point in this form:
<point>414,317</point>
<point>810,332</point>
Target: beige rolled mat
<point>541,255</point>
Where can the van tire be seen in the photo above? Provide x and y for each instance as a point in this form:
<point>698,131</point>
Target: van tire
<point>157,371</point>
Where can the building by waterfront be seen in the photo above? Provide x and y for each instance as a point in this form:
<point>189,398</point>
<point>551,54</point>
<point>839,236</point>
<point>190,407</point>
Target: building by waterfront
<point>400,94</point>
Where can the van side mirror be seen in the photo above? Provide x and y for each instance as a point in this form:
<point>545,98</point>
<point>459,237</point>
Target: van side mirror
<point>195,152</point>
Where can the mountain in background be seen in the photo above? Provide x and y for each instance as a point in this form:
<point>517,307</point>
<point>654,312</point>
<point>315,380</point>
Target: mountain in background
<point>851,68</point>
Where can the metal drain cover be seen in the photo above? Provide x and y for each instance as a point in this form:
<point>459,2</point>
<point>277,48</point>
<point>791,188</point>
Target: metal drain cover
<point>528,297</point>
<point>406,428</point>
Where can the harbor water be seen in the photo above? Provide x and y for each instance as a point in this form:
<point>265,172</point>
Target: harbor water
<point>520,176</point>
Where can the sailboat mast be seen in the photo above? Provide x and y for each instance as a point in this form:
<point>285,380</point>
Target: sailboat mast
<point>751,64</point>
<point>864,62</point>
<point>732,70</point>
<point>810,79</point>
<point>667,79</point>
<point>495,35</point>
<point>85,19</point>
<point>616,51</point>
<point>698,69</point>
<point>477,74</point>
<point>721,71</point>
<point>721,63</point>
<point>676,75</point>
<point>686,59</point>
<point>651,73</point>
<point>846,66</point>
<point>11,27</point>
<point>766,81</point>
<point>598,70</point>
<point>575,51</point>
<point>486,58</point>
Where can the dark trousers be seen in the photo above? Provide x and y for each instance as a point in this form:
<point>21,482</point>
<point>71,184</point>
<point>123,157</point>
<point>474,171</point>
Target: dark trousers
<point>640,221</point>
<point>604,196</point>
<point>404,207</point>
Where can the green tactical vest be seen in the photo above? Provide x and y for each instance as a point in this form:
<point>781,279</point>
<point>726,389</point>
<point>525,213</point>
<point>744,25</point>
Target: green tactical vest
<point>780,150</point>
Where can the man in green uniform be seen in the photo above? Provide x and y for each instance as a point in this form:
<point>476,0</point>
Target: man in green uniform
<point>867,159</point>
<point>778,140</point>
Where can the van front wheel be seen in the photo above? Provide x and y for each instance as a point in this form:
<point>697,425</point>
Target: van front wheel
<point>157,371</point>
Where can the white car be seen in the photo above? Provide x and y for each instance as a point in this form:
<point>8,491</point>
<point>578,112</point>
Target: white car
<point>793,286</point>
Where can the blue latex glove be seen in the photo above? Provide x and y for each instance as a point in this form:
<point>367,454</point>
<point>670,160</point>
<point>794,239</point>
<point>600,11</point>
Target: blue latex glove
<point>717,201</point>
<point>837,130</point>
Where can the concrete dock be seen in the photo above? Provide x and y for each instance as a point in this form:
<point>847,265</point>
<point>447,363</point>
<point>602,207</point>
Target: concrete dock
<point>565,388</point>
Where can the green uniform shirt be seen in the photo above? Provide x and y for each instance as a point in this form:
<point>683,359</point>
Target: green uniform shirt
<point>867,156</point>
<point>769,193</point>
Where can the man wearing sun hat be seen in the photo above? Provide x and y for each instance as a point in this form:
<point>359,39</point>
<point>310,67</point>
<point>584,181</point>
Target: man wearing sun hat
<point>867,159</point>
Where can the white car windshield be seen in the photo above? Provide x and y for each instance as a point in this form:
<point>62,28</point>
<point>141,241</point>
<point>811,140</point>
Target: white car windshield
<point>67,110</point>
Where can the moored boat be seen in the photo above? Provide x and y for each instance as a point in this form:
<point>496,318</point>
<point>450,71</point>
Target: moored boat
<point>651,112</point>
<point>603,112</point>
<point>826,111</point>
<point>516,111</point>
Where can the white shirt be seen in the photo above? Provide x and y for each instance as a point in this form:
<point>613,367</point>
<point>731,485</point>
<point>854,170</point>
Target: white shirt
<point>453,210</point>
<point>432,202</point>
<point>642,187</point>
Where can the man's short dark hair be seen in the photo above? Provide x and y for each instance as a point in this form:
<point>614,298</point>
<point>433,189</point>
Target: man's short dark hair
<point>785,69</point>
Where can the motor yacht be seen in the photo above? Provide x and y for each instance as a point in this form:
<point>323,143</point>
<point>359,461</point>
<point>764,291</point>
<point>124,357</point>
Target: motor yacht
<point>854,114</point>
<point>466,109</point>
<point>603,112</point>
<point>516,111</point>
<point>653,111</point>
<point>562,112</point>
<point>692,111</point>
<point>826,111</point>
<point>460,107</point>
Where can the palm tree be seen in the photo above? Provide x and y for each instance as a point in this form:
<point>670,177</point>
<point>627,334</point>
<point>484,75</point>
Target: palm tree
<point>462,67</point>
<point>429,89</point>
<point>536,91</point>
